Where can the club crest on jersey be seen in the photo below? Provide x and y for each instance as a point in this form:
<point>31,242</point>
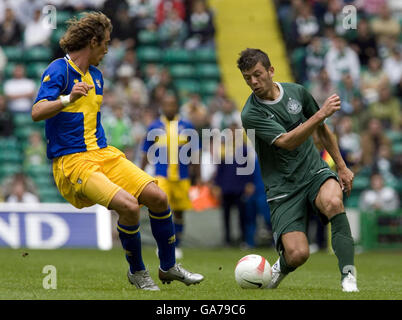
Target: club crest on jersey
<point>293,106</point>
<point>98,83</point>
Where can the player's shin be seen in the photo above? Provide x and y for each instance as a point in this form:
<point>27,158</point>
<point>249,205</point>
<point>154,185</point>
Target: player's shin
<point>343,244</point>
<point>130,238</point>
<point>164,233</point>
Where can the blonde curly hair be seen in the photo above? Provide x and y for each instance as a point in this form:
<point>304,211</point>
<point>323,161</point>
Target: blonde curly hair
<point>81,31</point>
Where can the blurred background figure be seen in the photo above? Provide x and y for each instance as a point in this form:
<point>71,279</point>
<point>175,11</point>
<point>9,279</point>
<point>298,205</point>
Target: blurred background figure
<point>19,191</point>
<point>35,150</point>
<point>379,197</point>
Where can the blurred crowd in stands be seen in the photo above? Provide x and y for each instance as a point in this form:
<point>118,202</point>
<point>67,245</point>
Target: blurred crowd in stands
<point>363,64</point>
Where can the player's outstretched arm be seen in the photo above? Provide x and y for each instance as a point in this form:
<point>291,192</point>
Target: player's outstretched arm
<point>294,138</point>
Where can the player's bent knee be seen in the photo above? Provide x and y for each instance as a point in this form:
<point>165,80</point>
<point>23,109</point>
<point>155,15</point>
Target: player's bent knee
<point>333,206</point>
<point>297,256</point>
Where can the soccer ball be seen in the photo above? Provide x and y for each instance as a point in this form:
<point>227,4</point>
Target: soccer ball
<point>253,271</point>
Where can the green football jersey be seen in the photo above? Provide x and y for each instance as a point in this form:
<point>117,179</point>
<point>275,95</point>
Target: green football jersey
<point>283,170</point>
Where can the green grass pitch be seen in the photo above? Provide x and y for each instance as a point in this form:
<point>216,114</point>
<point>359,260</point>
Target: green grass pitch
<point>93,274</point>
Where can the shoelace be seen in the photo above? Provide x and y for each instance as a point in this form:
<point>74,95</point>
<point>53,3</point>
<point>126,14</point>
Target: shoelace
<point>147,280</point>
<point>179,268</point>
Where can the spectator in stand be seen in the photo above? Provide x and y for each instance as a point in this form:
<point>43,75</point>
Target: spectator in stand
<point>379,197</point>
<point>201,29</point>
<point>349,143</point>
<point>152,76</point>
<point>334,16</point>
<point>36,32</point>
<point>113,58</point>
<point>341,58</point>
<point>10,29</point>
<point>127,83</point>
<point>6,119</point>
<point>19,191</point>
<point>375,144</point>
<point>385,26</point>
<point>393,66</point>
<point>227,115</point>
<point>3,62</point>
<point>143,11</point>
<point>373,79</point>
<point>360,115</point>
<point>218,98</point>
<point>35,151</point>
<point>166,6</point>
<point>315,58</point>
<point>347,90</point>
<point>232,186</point>
<point>125,28</point>
<point>172,31</point>
<point>322,87</point>
<point>372,7</point>
<point>306,26</point>
<point>19,91</point>
<point>195,111</point>
<point>365,43</point>
<point>117,129</point>
<point>387,109</point>
<point>156,97</point>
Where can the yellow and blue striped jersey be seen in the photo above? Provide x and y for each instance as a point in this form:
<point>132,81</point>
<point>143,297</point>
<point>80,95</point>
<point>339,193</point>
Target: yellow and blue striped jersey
<point>169,139</point>
<point>77,127</point>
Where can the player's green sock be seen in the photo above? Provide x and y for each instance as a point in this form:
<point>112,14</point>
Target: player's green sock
<point>163,231</point>
<point>342,243</point>
<point>285,268</point>
<point>131,241</point>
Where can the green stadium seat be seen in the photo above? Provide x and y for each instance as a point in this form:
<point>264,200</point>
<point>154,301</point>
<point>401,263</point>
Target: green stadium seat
<point>208,87</point>
<point>49,194</point>
<point>147,37</point>
<point>10,155</point>
<point>394,136</point>
<point>13,53</point>
<point>11,142</point>
<point>39,53</point>
<point>9,69</point>
<point>9,169</point>
<point>23,133</point>
<point>189,86</point>
<point>397,148</point>
<point>208,70</point>
<point>179,71</point>
<point>35,70</point>
<point>22,119</point>
<point>56,36</point>
<point>36,171</point>
<point>205,55</point>
<point>177,55</point>
<point>147,54</point>
<point>63,16</point>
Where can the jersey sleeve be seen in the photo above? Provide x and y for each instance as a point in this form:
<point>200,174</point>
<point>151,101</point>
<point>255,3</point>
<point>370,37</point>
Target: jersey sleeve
<point>264,124</point>
<point>53,81</point>
<point>310,106</point>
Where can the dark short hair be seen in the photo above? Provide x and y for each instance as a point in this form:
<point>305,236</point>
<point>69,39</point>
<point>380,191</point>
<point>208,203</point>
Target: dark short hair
<point>250,57</point>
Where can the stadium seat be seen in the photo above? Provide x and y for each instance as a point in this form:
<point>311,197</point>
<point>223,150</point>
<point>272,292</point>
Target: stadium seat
<point>39,170</point>
<point>10,155</point>
<point>22,119</point>
<point>397,148</point>
<point>208,87</point>
<point>10,142</point>
<point>56,35</point>
<point>35,69</point>
<point>147,37</point>
<point>205,55</point>
<point>49,194</point>
<point>23,133</point>
<point>63,16</point>
<point>187,86</point>
<point>177,55</point>
<point>8,169</point>
<point>13,53</point>
<point>208,70</point>
<point>148,54</point>
<point>179,71</point>
<point>9,69</point>
<point>38,53</point>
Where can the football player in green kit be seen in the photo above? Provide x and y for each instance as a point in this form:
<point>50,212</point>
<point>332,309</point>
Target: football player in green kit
<point>297,181</point>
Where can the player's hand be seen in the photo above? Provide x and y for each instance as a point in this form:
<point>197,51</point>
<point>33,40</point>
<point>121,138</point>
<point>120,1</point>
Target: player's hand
<point>346,177</point>
<point>331,105</point>
<point>80,89</point>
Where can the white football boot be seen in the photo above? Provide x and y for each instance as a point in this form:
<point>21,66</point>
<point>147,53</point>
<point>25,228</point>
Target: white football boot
<point>277,276</point>
<point>142,280</point>
<point>349,283</point>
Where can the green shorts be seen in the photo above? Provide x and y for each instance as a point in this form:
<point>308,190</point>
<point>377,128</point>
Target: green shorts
<point>291,212</point>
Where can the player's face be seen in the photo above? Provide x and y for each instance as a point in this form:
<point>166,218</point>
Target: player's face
<point>99,50</point>
<point>169,107</point>
<point>259,79</point>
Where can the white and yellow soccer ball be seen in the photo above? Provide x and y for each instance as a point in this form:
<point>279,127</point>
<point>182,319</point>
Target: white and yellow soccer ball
<point>253,272</point>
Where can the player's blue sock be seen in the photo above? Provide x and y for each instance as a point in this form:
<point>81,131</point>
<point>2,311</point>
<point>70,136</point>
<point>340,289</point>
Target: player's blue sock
<point>163,231</point>
<point>178,227</point>
<point>131,241</point>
